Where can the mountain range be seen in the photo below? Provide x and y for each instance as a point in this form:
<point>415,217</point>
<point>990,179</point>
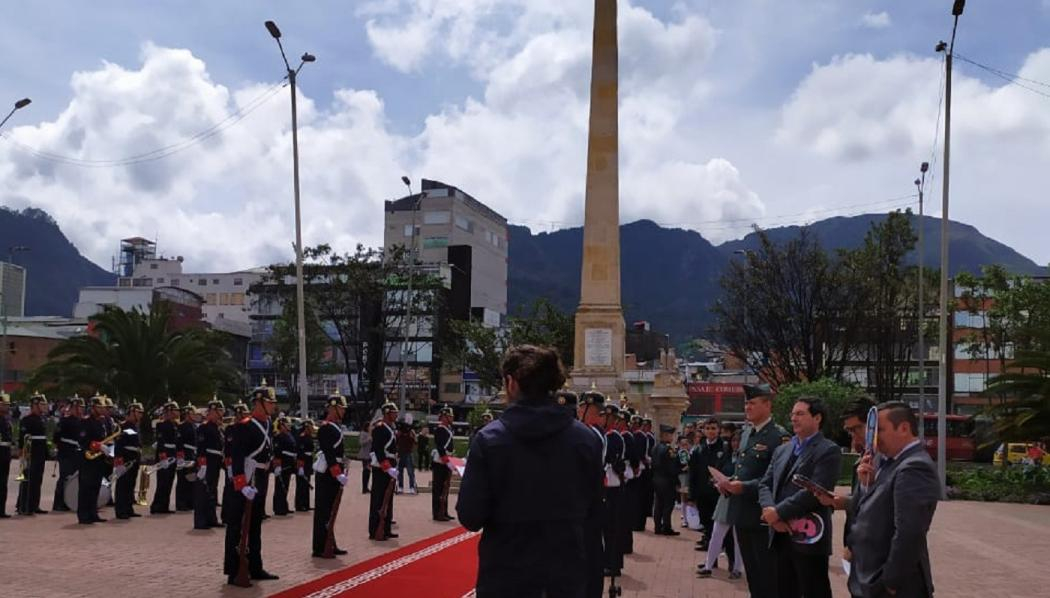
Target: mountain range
<point>669,276</point>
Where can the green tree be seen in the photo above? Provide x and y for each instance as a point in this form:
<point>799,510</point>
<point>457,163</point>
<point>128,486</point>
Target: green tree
<point>132,355</point>
<point>835,396</point>
<point>1027,415</point>
<point>283,345</point>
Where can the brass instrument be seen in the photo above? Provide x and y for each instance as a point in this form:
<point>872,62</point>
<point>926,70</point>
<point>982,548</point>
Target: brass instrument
<point>143,491</point>
<point>24,460</point>
<point>91,455</point>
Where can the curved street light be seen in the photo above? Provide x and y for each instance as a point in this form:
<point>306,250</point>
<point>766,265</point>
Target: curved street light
<point>18,106</point>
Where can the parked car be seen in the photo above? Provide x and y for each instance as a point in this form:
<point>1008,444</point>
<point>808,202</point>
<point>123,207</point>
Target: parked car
<point>1021,452</point>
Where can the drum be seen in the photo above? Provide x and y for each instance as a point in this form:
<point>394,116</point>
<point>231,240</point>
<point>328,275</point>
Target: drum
<point>72,491</point>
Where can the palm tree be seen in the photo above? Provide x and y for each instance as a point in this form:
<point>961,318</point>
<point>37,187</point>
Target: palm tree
<point>132,355</point>
<point>1027,416</point>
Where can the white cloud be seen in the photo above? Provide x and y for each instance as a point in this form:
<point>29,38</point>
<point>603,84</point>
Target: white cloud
<point>876,20</point>
<point>226,203</point>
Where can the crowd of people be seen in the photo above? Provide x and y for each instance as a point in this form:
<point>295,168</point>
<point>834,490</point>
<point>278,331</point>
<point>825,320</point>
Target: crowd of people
<point>560,482</point>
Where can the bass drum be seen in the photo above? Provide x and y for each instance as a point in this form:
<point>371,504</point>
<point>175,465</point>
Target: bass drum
<point>72,491</point>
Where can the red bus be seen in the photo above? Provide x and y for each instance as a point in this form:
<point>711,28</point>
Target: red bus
<point>962,445</point>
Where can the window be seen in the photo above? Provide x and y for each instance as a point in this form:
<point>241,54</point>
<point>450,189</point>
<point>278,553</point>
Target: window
<point>969,382</point>
<point>238,282</point>
<point>441,217</point>
<point>435,242</point>
<point>453,388</point>
<point>408,230</point>
<point>236,298</point>
<point>465,224</point>
<point>215,281</point>
<point>437,193</point>
<point>224,298</point>
<point>175,282</point>
<point>210,298</point>
<point>203,282</point>
<point>124,282</point>
<point>160,281</point>
<point>965,319</point>
<point>153,266</point>
<point>421,352</point>
<point>142,282</point>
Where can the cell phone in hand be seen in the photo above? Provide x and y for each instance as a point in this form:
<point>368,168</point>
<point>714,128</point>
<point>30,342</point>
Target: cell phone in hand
<point>803,482</point>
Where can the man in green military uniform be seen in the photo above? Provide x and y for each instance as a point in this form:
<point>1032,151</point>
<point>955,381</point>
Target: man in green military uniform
<point>757,443</point>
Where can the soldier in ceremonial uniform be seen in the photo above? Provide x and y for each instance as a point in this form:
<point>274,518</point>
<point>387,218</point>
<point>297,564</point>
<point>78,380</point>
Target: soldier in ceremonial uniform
<point>93,464</point>
<point>304,472</point>
<point>615,465</point>
<point>67,443</point>
<point>32,427</point>
<point>240,411</point>
<point>285,457</point>
<point>592,414</point>
<point>209,461</point>
<point>629,506</point>
<point>643,444</point>
<point>441,467</point>
<point>6,444</point>
<point>333,478</point>
<point>127,458</point>
<point>757,443</point>
<point>186,458</point>
<point>167,438</point>
<point>384,473</point>
<point>250,451</point>
<point>666,467</point>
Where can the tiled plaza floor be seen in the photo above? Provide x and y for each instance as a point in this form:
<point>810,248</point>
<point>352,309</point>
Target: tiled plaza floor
<point>978,550</point>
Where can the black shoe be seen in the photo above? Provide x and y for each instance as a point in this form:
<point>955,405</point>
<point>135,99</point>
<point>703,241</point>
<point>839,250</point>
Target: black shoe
<point>123,516</point>
<point>231,580</point>
<point>205,528</point>
<point>264,575</point>
<point>135,515</point>
<point>672,532</point>
<point>318,555</point>
<point>703,572</point>
<point>100,520</point>
<point>4,516</point>
<point>40,512</point>
<point>61,510</point>
<point>371,537</point>
<point>391,535</point>
<point>217,525</point>
<point>265,517</point>
<point>364,491</point>
<point>91,522</point>
<point>339,552</point>
<point>734,575</point>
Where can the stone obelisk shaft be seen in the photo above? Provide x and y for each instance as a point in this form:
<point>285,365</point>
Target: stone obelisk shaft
<point>599,347</point>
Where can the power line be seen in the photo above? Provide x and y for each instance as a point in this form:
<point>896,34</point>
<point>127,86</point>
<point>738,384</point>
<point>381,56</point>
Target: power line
<point>1012,78</point>
<point>161,152</point>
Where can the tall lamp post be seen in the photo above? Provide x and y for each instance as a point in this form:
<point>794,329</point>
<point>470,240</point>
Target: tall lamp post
<point>18,106</point>
<point>11,251</point>
<point>942,376</point>
<point>920,314</point>
<point>304,386</point>
<point>402,388</point>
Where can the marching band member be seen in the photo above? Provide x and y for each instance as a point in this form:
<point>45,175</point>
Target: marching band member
<point>186,457</point>
<point>93,464</point>
<point>209,462</point>
<point>33,430</point>
<point>304,474</point>
<point>67,443</point>
<point>127,458</point>
<point>6,442</point>
<point>285,457</point>
<point>167,437</point>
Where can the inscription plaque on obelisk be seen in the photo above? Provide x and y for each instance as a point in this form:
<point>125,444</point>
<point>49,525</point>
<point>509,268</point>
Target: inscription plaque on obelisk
<point>599,344</point>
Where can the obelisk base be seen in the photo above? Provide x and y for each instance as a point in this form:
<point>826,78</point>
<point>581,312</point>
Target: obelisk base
<point>599,349</point>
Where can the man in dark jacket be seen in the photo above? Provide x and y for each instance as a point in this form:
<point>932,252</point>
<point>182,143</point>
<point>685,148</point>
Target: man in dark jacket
<point>167,438</point>
<point>304,473</point>
<point>67,443</point>
<point>712,451</point>
<point>209,461</point>
<point>533,478</point>
<point>799,526</point>
<point>666,468</point>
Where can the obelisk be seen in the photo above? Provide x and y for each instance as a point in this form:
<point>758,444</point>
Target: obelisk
<point>599,347</point>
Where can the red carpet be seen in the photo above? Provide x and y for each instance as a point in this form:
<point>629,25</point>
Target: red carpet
<point>444,566</point>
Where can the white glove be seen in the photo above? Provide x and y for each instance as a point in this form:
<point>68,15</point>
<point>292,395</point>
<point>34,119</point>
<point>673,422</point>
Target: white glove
<point>249,492</point>
<point>301,473</point>
<point>202,471</point>
<point>119,470</point>
<point>342,479</point>
<point>392,472</point>
<point>277,470</point>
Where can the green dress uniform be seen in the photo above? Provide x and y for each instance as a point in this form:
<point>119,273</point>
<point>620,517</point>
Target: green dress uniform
<point>744,513</point>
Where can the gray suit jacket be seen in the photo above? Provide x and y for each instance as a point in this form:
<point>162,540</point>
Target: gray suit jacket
<point>888,535</point>
<point>819,461</point>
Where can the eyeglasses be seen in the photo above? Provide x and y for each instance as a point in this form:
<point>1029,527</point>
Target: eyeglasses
<point>853,429</point>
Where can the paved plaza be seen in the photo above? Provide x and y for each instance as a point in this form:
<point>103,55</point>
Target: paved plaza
<point>978,550</point>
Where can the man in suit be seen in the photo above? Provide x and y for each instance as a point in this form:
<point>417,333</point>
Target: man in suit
<point>893,509</point>
<point>757,443</point>
<point>799,526</point>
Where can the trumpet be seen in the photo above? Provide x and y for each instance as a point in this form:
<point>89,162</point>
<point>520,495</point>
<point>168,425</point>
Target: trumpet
<point>91,455</point>
<point>144,476</point>
<point>24,460</point>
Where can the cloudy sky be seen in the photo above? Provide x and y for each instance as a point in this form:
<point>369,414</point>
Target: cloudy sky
<point>732,112</point>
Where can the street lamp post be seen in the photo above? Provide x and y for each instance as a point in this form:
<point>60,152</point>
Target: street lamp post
<point>11,251</point>
<point>942,376</point>
<point>402,389</point>
<point>304,387</point>
<point>18,106</point>
<point>920,314</point>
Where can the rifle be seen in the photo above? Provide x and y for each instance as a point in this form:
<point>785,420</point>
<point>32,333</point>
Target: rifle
<point>243,578</point>
<point>384,510</point>
<point>329,541</point>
